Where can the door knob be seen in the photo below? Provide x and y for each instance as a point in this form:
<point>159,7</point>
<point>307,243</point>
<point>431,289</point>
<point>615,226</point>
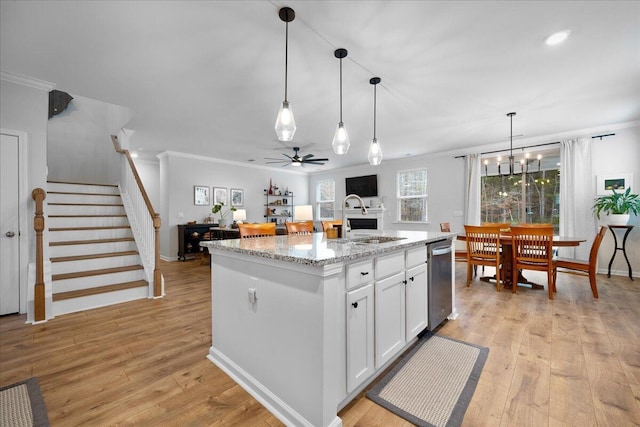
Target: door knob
<point>10,234</point>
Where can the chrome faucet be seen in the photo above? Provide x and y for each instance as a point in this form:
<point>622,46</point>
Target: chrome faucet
<point>345,225</point>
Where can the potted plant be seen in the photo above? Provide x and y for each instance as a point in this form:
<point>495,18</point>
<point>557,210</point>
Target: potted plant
<point>218,208</point>
<point>618,206</point>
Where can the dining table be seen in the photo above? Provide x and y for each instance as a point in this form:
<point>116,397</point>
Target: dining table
<point>506,258</point>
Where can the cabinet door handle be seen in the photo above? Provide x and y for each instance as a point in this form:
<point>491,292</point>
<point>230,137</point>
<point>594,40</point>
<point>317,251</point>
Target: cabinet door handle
<point>355,304</point>
<point>364,273</point>
<point>404,282</point>
<point>411,278</point>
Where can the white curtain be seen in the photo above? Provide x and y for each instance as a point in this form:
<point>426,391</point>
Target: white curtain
<point>576,196</point>
<point>473,194</point>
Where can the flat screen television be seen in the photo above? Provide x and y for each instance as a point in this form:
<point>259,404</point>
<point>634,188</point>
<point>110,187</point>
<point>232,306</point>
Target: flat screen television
<point>363,186</point>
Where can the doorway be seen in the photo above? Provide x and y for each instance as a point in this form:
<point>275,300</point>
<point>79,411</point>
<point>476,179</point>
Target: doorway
<point>13,257</point>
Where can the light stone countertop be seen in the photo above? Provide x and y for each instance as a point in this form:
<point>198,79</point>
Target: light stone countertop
<point>316,250</point>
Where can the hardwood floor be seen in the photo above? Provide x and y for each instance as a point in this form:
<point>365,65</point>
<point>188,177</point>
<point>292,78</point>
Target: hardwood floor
<point>573,361</point>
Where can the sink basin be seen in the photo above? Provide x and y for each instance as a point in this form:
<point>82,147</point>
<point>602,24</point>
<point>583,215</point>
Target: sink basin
<point>374,240</point>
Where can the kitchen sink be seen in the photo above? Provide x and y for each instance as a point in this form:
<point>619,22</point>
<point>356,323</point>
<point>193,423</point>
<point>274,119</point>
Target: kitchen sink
<point>374,240</point>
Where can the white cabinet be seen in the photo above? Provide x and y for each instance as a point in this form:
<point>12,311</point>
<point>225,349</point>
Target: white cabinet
<point>360,358</point>
<point>416,300</point>
<point>389,317</point>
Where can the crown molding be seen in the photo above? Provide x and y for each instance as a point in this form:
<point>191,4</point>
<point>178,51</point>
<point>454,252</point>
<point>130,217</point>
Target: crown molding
<point>26,81</point>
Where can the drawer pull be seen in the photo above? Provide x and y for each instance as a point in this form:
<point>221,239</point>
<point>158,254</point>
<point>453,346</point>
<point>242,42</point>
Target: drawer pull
<point>355,304</point>
<point>364,273</point>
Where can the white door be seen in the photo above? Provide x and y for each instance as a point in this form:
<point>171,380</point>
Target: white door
<point>359,336</point>
<point>9,226</point>
<point>416,300</point>
<point>389,317</point>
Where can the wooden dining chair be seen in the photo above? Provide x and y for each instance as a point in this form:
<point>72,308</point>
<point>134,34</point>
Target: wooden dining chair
<point>460,247</point>
<point>250,231</point>
<point>330,224</point>
<point>586,267</point>
<point>302,227</point>
<point>532,248</point>
<point>483,248</point>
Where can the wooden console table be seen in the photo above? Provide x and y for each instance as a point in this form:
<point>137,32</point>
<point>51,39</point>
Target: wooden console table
<point>622,248</point>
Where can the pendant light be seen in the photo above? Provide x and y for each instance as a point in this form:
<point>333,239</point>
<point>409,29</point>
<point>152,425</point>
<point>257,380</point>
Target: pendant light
<point>375,152</point>
<point>511,158</point>
<point>285,123</point>
<point>341,141</point>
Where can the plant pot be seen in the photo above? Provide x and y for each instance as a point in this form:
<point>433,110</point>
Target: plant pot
<point>615,219</point>
<point>222,223</point>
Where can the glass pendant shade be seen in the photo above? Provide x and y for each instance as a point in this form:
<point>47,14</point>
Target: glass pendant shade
<point>375,153</point>
<point>341,141</point>
<point>285,123</point>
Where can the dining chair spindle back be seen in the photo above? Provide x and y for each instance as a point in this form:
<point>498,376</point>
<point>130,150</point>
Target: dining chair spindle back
<point>250,231</point>
<point>483,248</point>
<point>532,248</point>
<point>302,227</point>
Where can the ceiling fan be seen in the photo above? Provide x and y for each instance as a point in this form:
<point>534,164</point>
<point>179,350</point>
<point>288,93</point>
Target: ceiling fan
<point>296,160</point>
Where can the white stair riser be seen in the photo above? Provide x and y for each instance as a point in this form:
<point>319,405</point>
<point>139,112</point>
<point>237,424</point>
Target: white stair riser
<point>79,283</point>
<point>84,210</point>
<point>83,198</point>
<point>93,248</point>
<point>101,300</point>
<point>72,235</point>
<point>104,221</point>
<point>94,264</point>
<point>80,188</point>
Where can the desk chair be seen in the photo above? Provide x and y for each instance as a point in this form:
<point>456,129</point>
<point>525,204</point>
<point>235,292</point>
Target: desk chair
<point>483,248</point>
<point>532,247</point>
<point>250,231</point>
<point>586,267</point>
<point>302,227</point>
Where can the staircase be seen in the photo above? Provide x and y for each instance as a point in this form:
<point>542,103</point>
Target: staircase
<point>94,258</point>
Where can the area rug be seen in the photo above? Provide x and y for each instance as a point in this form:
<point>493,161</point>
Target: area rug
<point>21,404</point>
<point>433,383</point>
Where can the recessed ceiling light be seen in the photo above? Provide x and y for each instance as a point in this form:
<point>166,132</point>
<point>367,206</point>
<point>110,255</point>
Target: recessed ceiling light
<point>557,38</point>
<point>134,155</point>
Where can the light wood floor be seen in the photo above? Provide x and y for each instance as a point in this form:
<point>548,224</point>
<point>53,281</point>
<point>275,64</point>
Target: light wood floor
<point>574,361</point>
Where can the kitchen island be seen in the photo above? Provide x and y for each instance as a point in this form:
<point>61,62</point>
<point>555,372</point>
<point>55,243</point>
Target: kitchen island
<point>304,323</point>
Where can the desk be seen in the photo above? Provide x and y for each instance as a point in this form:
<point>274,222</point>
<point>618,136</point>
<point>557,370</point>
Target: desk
<point>507,260</point>
<point>613,229</point>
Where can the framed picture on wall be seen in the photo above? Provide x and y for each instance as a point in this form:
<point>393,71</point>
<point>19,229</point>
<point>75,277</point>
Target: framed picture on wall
<point>200,195</point>
<point>237,197</point>
<point>219,195</point>
<point>618,181</point>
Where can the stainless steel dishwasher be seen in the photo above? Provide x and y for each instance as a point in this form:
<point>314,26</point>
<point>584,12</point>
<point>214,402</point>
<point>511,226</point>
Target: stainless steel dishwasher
<point>439,281</point>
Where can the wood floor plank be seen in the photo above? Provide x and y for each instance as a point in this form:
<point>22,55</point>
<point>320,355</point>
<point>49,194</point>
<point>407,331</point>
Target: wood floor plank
<point>144,363</point>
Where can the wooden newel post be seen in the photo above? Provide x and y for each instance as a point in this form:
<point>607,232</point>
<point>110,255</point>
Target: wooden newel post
<point>38,225</point>
<point>157,276</point>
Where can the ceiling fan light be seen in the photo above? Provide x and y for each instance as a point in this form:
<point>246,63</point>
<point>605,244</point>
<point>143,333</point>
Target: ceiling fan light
<point>296,163</point>
<point>341,142</point>
<point>557,38</point>
<point>375,153</point>
<point>285,123</point>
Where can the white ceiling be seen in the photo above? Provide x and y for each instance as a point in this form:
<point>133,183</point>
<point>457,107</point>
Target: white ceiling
<point>207,77</point>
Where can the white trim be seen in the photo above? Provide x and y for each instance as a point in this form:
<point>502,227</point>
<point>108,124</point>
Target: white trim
<point>226,162</point>
<point>27,81</point>
<point>23,209</point>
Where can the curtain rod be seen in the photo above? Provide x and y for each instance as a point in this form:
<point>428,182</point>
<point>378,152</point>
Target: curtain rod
<point>532,146</point>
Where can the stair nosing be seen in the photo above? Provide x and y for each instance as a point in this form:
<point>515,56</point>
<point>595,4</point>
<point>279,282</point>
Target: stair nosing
<point>77,193</point>
<point>82,183</point>
<point>87,216</point>
<point>92,256</point>
<point>92,242</point>
<point>86,204</point>
<point>100,272</point>
<point>109,227</point>
<point>61,296</point>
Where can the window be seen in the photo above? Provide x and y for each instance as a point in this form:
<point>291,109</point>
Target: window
<point>530,197</point>
<point>325,199</point>
<point>412,195</point>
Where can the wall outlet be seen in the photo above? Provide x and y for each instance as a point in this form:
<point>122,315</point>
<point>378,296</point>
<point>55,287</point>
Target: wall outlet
<point>180,215</point>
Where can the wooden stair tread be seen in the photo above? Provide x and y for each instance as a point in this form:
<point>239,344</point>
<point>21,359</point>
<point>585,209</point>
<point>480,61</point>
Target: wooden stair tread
<point>82,183</point>
<point>99,272</point>
<point>86,204</point>
<point>90,242</point>
<point>77,193</point>
<point>110,227</point>
<point>99,290</point>
<point>92,256</point>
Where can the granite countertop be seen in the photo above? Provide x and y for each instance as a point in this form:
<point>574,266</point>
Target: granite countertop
<point>316,250</point>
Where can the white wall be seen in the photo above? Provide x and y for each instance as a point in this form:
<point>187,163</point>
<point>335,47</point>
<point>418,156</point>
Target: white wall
<point>179,173</point>
<point>445,181</point>
<point>79,141</point>
<point>611,155</point>
<point>149,172</point>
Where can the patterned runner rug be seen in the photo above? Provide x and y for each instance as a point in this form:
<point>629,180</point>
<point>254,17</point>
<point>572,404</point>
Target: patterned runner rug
<point>21,404</point>
<point>433,384</point>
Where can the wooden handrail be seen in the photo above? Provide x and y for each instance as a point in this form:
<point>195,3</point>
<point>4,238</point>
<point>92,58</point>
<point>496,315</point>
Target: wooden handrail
<point>38,225</point>
<point>157,277</point>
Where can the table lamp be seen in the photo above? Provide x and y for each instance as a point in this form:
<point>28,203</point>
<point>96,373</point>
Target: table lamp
<point>239,216</point>
<point>303,213</point>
